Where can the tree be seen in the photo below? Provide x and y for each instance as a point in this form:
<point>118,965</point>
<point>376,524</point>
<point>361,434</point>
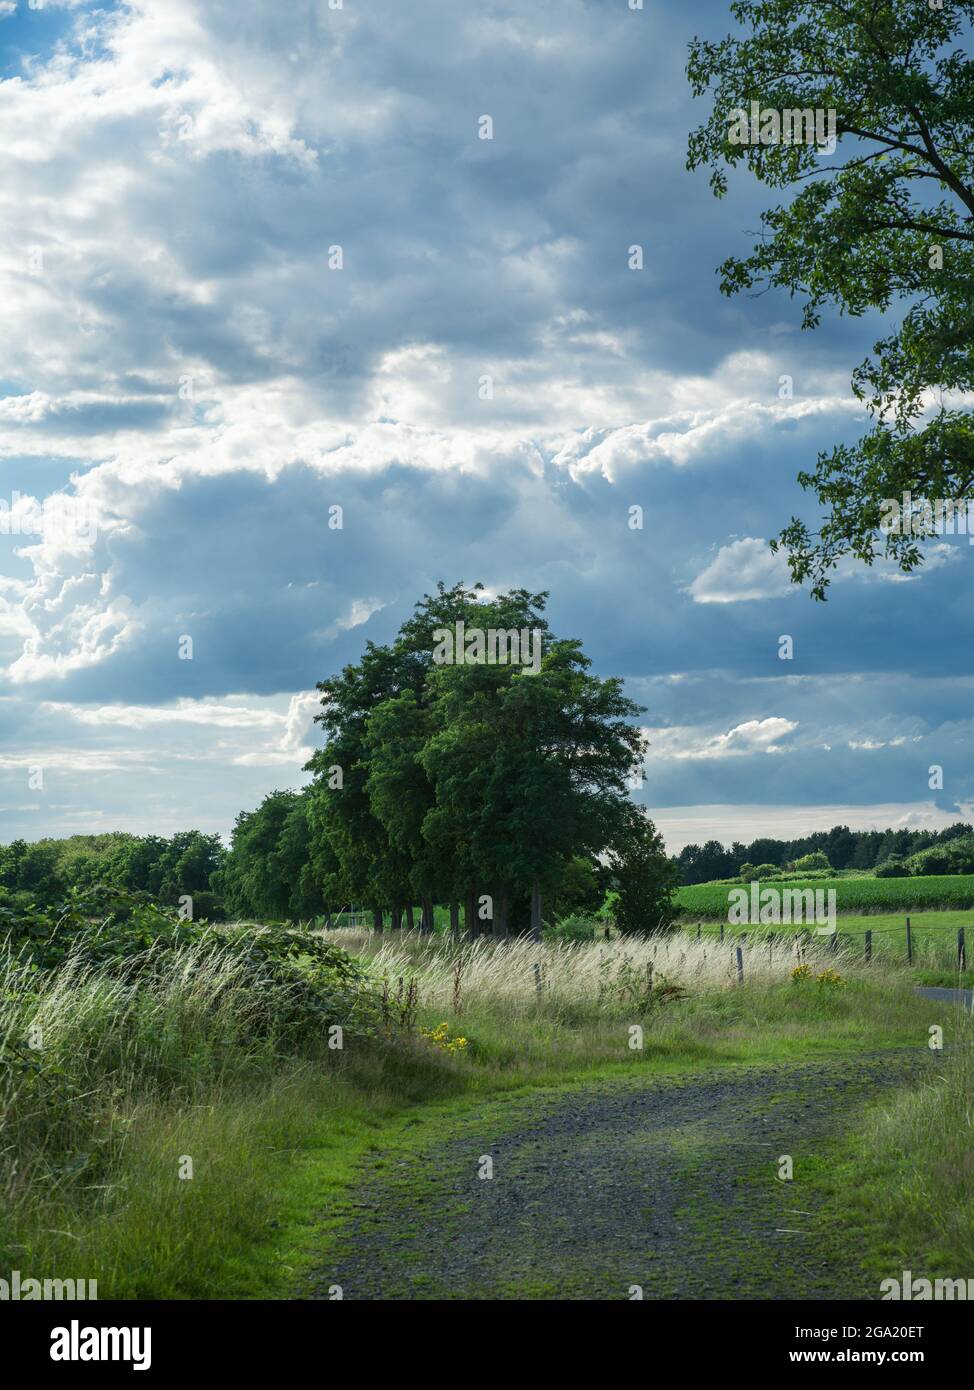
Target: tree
<point>889,220</point>
<point>645,878</point>
<point>815,860</point>
<point>256,880</point>
<point>471,778</point>
<point>529,770</point>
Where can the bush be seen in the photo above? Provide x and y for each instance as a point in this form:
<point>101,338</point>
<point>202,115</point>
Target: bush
<point>815,860</point>
<point>577,926</point>
<point>893,867</point>
<point>297,981</point>
<point>953,857</point>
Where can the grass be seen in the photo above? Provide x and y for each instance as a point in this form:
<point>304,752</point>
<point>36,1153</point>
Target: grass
<point>132,1080</point>
<point>933,937</point>
<point>933,892</point>
<point>916,1211</point>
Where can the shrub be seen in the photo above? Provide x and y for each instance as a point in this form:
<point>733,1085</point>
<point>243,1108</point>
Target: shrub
<point>577,926</point>
<point>893,867</point>
<point>815,860</point>
<point>953,857</point>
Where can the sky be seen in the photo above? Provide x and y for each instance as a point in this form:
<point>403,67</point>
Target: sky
<point>258,263</point>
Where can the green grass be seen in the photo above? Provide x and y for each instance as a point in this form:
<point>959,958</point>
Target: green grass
<point>142,1079</point>
<point>933,938</point>
<point>915,1207</point>
<point>934,892</point>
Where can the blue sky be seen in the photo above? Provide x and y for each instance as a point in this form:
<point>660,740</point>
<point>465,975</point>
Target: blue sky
<point>188,386</point>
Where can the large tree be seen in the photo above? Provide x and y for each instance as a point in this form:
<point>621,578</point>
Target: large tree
<point>889,218</point>
<point>470,779</point>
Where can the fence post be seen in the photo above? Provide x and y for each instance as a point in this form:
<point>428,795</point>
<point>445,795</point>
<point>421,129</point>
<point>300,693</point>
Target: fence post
<point>722,933</point>
<point>961,950</point>
<point>909,942</point>
<point>537,978</point>
<point>740,965</point>
<point>869,945</point>
<point>698,931</point>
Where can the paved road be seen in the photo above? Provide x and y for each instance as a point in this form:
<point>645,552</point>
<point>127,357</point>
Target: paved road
<point>953,996</point>
<point>669,1185</point>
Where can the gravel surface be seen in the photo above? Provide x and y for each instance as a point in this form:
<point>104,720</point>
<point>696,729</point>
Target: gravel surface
<point>670,1185</point>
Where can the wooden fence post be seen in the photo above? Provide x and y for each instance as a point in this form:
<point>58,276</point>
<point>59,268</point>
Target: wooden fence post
<point>909,942</point>
<point>537,978</point>
<point>535,910</point>
<point>740,965</point>
<point>869,945</point>
<point>961,950</point>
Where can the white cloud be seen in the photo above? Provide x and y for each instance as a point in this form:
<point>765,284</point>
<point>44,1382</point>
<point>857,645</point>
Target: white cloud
<point>744,569</point>
<point>221,714</point>
<point>692,742</point>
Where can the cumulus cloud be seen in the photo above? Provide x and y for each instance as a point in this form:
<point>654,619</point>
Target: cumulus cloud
<point>257,264</point>
<point>753,736</point>
<point>744,569</point>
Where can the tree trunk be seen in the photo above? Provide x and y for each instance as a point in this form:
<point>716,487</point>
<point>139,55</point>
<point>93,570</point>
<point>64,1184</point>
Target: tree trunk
<point>470,915</point>
<point>377,920</point>
<point>500,913</point>
<point>396,919</point>
<point>535,910</point>
<point>410,923</point>
<point>329,924</point>
<point>426,923</point>
<point>455,921</point>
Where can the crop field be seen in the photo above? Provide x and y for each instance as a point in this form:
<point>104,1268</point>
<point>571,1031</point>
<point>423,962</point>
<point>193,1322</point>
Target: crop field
<point>936,892</point>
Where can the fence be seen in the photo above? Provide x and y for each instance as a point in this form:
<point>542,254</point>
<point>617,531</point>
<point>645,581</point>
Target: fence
<point>915,949</point>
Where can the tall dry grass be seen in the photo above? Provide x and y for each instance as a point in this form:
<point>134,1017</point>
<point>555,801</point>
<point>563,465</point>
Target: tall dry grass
<point>520,978</point>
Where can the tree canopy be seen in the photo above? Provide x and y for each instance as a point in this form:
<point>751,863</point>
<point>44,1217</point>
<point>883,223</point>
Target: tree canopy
<point>474,776</point>
<point>887,220</point>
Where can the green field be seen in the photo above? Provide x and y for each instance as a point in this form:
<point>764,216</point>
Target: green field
<point>854,896</point>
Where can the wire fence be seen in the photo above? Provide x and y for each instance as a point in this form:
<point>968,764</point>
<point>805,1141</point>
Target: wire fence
<point>907,942</point>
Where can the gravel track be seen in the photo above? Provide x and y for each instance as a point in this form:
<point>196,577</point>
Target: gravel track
<point>668,1184</point>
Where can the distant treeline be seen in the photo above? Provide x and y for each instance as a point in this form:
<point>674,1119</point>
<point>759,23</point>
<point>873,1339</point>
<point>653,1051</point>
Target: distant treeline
<point>843,848</point>
<point>46,871</point>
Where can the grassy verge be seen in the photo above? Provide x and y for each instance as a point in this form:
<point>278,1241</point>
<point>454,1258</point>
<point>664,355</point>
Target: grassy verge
<point>901,1186</point>
<point>933,937</point>
<point>136,1083</point>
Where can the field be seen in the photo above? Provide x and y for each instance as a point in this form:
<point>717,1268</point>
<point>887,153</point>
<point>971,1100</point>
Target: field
<point>137,1075</point>
<point>854,896</point>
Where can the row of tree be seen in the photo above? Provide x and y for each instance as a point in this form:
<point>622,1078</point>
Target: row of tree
<point>483,785</point>
<point>843,849</point>
<point>43,871</point>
